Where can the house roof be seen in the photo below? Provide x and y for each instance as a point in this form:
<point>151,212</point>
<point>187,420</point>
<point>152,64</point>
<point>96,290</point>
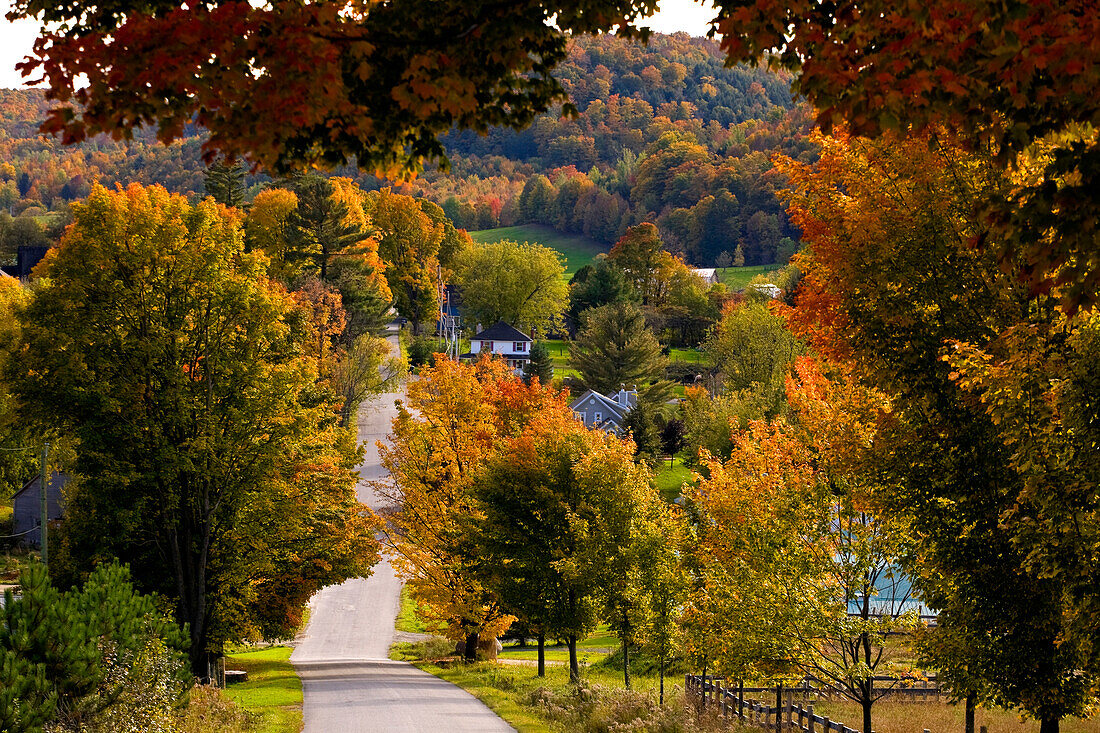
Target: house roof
<point>501,331</point>
<point>57,480</point>
<point>613,407</point>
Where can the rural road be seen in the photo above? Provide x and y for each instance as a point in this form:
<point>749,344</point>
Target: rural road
<point>349,684</point>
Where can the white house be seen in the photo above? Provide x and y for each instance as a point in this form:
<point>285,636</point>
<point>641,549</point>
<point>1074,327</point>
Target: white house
<point>767,289</point>
<point>605,412</point>
<point>709,274</point>
<point>504,341</point>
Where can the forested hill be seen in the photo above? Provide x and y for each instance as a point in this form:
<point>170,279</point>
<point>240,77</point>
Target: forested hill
<point>665,132</point>
<point>620,88</point>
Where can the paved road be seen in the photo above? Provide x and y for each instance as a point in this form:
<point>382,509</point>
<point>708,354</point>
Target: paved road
<point>349,684</point>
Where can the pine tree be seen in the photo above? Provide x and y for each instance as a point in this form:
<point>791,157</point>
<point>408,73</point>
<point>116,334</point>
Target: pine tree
<point>615,348</point>
<point>540,365</point>
<point>224,182</point>
<point>319,230</point>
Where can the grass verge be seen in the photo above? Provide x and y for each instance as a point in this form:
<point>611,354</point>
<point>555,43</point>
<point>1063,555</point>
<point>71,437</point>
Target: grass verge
<point>408,617</point>
<point>273,692</point>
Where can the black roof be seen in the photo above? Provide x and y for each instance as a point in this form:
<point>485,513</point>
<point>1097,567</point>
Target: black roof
<point>501,331</point>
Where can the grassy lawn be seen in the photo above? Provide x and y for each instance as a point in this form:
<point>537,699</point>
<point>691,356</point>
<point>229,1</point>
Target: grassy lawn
<point>670,478</point>
<point>559,354</point>
<point>736,278</point>
<point>690,355</point>
<point>890,717</point>
<point>589,650</point>
<point>273,692</point>
<point>577,251</point>
<point>408,619</point>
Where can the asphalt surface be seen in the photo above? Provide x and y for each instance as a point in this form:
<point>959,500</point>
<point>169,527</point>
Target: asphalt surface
<point>348,683</point>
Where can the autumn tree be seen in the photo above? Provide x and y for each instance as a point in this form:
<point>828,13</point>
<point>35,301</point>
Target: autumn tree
<point>208,458</point>
<point>809,568</point>
<point>17,464</point>
<point>561,506</point>
<point>267,229</point>
<point>408,242</point>
<point>752,348</point>
<point>891,286</point>
<point>520,284</point>
<point>455,416</point>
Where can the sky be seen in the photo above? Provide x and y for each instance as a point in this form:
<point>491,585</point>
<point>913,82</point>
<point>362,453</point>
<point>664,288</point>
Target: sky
<point>16,39</point>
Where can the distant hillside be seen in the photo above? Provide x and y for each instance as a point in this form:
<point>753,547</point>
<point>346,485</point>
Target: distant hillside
<point>666,133</point>
<point>577,251</point>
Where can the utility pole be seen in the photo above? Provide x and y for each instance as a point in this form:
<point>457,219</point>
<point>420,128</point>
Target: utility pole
<point>45,502</point>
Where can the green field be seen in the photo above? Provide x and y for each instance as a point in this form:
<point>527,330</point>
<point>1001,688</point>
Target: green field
<point>273,692</point>
<point>736,278</point>
<point>577,251</point>
<point>669,479</point>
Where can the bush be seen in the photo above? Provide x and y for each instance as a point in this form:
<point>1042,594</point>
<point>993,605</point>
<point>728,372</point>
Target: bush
<point>209,710</point>
<point>420,350</point>
<point>591,708</point>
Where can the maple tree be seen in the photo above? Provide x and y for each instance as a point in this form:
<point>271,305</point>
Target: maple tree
<point>409,241</point>
<point>284,84</point>
<point>1008,75</point>
<point>454,417</point>
<point>563,514</point>
<point>802,568</point>
<point>209,459</point>
<point>893,288</point>
<point>520,284</point>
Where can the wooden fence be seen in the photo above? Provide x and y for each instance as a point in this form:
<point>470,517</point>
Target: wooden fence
<point>787,714</point>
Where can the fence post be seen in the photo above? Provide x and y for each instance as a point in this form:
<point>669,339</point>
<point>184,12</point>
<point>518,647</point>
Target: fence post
<point>741,700</point>
<point>778,707</point>
<point>825,726</point>
<point>811,724</point>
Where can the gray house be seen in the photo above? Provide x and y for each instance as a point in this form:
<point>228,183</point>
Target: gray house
<point>605,412</point>
<point>27,506</point>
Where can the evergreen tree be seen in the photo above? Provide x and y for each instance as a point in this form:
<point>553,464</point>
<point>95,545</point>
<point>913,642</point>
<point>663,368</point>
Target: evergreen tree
<point>67,659</point>
<point>596,285</point>
<point>616,348</point>
<point>739,256</point>
<point>224,182</point>
<point>641,424</point>
<point>540,365</point>
<point>319,229</point>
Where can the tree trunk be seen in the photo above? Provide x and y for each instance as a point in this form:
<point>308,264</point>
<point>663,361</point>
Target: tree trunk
<point>575,669</point>
<point>661,667</point>
<point>867,702</point>
<point>626,664</point>
<point>542,654</point>
<point>1049,725</point>
<point>469,654</point>
<point>970,713</point>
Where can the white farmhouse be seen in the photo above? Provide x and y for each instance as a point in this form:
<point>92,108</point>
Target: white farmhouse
<point>708,274</point>
<point>504,341</point>
<point>605,412</point>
